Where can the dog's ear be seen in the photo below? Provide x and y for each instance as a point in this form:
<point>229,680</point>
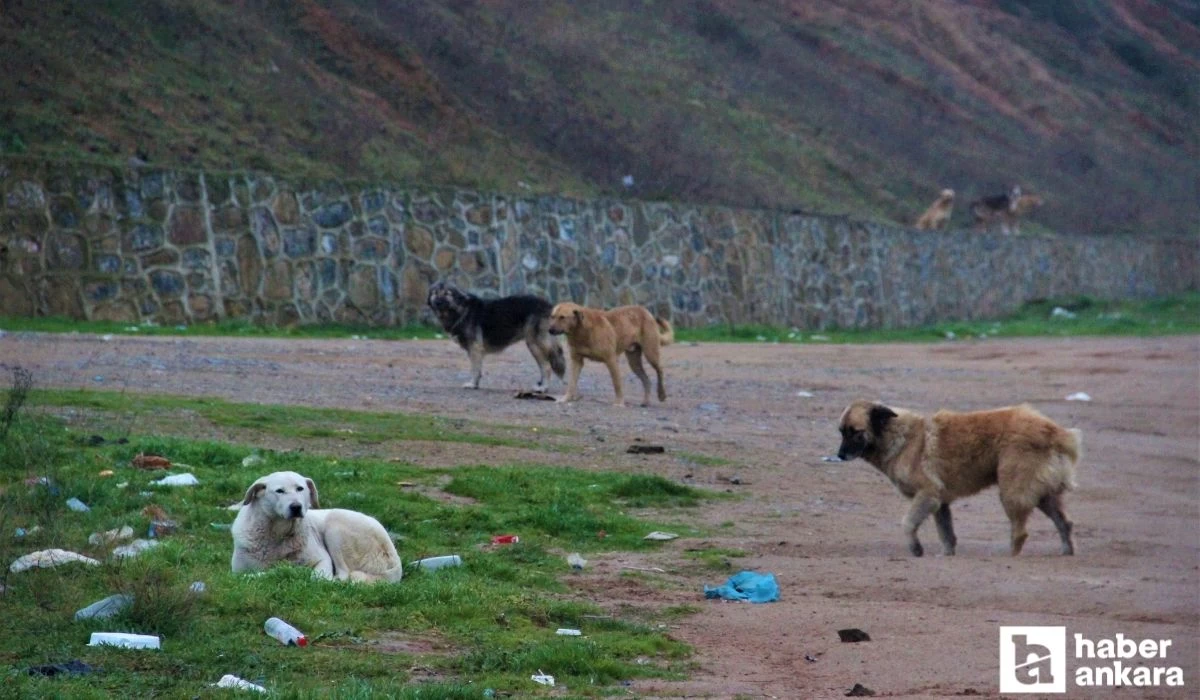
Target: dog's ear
<point>578,315</point>
<point>252,492</point>
<point>312,494</point>
<point>880,415</point>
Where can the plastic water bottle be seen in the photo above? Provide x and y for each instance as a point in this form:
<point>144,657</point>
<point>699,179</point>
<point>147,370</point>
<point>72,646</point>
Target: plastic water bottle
<point>77,505</point>
<point>285,633</point>
<point>106,608</point>
<point>438,562</point>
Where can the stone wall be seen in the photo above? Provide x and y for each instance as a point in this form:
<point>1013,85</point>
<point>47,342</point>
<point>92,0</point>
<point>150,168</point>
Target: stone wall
<point>181,247</point>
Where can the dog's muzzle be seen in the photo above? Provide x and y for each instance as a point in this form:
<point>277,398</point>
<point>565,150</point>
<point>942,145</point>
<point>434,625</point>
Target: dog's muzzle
<point>295,511</point>
<point>555,331</point>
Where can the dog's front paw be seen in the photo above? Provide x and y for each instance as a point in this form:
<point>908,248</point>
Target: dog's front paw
<point>539,387</point>
<point>916,549</point>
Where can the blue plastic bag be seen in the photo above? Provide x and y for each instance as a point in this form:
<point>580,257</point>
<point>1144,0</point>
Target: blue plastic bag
<point>746,585</point>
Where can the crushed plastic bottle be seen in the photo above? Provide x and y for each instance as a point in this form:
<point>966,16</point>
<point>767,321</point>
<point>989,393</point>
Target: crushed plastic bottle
<point>77,505</point>
<point>437,562</point>
<point>285,633</point>
<point>106,608</point>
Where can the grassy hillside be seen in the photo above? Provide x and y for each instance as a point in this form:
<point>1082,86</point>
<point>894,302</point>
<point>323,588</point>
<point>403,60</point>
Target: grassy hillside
<point>847,106</point>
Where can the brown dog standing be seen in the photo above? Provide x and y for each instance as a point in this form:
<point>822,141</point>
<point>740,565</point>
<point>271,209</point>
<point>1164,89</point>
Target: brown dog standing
<point>934,461</point>
<point>938,213</point>
<point>602,336</point>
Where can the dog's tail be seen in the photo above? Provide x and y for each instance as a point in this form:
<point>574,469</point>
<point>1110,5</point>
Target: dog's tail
<point>666,332</point>
<point>1069,446</point>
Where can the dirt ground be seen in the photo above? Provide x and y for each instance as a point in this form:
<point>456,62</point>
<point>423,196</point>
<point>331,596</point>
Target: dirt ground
<point>830,532</point>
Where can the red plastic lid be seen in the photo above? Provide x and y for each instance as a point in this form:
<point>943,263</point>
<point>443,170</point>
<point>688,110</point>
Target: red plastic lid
<point>302,641</point>
<point>506,539</point>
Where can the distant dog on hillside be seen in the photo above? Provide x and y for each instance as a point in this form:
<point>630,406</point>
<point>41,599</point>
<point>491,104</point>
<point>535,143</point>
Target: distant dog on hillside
<point>938,213</point>
<point>934,461</point>
<point>1023,207</point>
<point>486,326</point>
<point>998,207</point>
<point>599,335</point>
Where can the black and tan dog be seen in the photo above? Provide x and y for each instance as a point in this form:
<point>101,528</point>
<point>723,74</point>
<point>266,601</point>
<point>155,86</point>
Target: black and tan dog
<point>486,326</point>
<point>934,461</point>
<point>595,334</point>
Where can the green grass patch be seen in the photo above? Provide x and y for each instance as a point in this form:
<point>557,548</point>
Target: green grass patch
<point>225,328</point>
<point>1143,317</point>
<point>487,624</point>
<point>363,427</point>
<point>1149,317</point>
<point>703,460</point>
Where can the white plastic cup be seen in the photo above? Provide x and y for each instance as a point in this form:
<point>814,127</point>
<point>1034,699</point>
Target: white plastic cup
<point>438,562</point>
<point>125,640</point>
<point>285,633</point>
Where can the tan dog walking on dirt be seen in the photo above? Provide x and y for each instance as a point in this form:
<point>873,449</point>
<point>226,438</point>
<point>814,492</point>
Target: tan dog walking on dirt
<point>599,335</point>
<point>934,461</point>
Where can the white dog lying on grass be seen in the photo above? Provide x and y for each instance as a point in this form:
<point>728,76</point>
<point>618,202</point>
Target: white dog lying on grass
<point>280,520</point>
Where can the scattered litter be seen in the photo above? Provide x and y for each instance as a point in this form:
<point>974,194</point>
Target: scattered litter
<point>74,667</point>
<point>197,587</point>
<point>38,481</point>
<point>437,562</point>
<point>506,539</point>
<point>1060,312</point>
<point>542,678</point>
<point>22,532</point>
<point>746,585</point>
<point>832,458</point>
<point>123,484</point>
<point>805,394</point>
<point>577,562</point>
<point>106,337</point>
<point>285,633</point>
<point>231,681</point>
<point>106,608</point>
<point>146,494</point>
<point>77,505</point>
<point>177,480</point>
<point>150,462</point>
<point>109,536</point>
<point>566,632</point>
<point>125,640</point>
<point>134,548</point>
<point>859,691</point>
<point>534,395</point>
<point>155,512</point>
<point>658,536</point>
<point>810,658</point>
<point>1079,396</point>
<point>161,528</point>
<point>951,335</point>
<point>106,473</point>
<point>49,558</point>
<point>252,461</point>
<point>405,484</point>
<point>852,635</point>
<point>735,480</point>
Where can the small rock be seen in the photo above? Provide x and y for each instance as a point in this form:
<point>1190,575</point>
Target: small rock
<point>646,449</point>
<point>859,691</point>
<point>657,536</point>
<point>805,394</point>
<point>853,634</point>
<point>109,536</point>
<point>134,548</point>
